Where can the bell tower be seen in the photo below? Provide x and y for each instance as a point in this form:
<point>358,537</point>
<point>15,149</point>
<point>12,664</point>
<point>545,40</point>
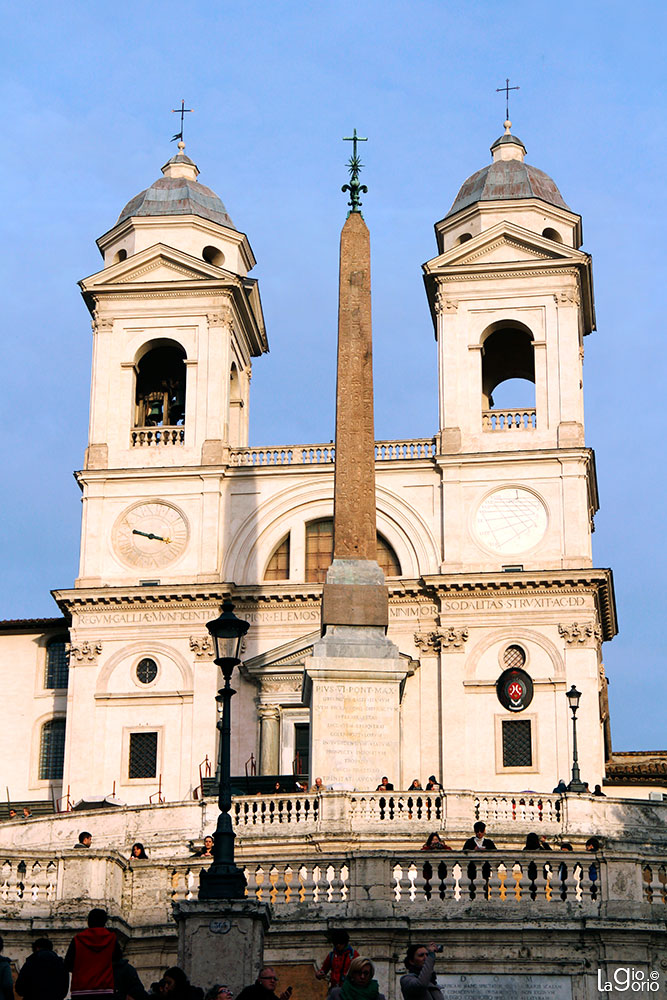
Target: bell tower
<point>176,322</point>
<point>511,298</point>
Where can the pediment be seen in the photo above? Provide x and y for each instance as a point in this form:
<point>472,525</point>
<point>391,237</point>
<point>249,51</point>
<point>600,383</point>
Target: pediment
<point>156,264</point>
<point>504,244</point>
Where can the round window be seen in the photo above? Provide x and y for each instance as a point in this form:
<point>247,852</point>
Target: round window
<point>146,670</point>
<point>514,656</point>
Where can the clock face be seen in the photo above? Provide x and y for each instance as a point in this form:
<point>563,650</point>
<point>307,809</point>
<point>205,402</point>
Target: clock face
<point>150,535</point>
<point>511,520</point>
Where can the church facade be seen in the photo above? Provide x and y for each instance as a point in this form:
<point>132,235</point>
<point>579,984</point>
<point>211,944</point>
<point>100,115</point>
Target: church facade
<point>483,526</point>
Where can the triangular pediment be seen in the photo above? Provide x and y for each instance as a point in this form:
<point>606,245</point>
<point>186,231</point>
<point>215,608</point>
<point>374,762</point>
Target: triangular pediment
<point>156,264</point>
<point>504,243</point>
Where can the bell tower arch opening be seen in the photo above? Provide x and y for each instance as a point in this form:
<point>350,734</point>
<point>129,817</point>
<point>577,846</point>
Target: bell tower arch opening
<point>508,372</point>
<point>160,385</point>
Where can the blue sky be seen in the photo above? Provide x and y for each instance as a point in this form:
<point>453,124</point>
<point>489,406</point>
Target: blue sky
<point>87,92</point>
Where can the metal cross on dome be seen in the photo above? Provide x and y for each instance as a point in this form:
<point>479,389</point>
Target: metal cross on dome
<point>182,111</point>
<point>506,90</point>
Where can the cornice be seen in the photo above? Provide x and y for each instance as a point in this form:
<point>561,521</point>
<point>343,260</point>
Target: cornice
<point>431,588</point>
<point>599,582</point>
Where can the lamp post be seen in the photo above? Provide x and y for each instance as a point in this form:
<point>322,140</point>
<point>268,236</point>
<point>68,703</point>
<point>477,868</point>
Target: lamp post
<point>223,880</point>
<point>576,785</point>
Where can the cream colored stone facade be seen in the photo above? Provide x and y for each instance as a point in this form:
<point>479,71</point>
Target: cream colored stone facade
<point>490,519</point>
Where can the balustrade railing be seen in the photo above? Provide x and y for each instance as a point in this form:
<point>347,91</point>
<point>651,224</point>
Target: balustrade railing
<point>28,880</point>
<point>275,810</point>
<point>157,437</point>
<point>400,880</point>
<point>525,809</point>
<point>498,877</point>
<point>324,454</point>
<point>509,420</point>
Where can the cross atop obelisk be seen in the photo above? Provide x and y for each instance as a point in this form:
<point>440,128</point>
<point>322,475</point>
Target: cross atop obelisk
<point>354,593</point>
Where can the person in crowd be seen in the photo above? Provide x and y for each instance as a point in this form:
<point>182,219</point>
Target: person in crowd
<point>218,992</point>
<point>566,846</point>
<point>176,986</point>
<point>13,814</point>
<point>278,788</point>
<point>318,786</point>
<point>385,785</point>
<point>532,842</point>
<point>420,982</point>
<point>598,791</point>
<point>479,842</point>
<point>90,958</point>
<point>435,843</point>
<point>301,786</point>
<point>138,852</point>
<point>6,982</point>
<point>359,983</point>
<point>560,787</point>
<point>43,975</point>
<point>85,839</point>
<point>433,785</point>
<point>207,850</point>
<point>416,786</point>
<point>264,987</point>
<point>27,812</point>
<point>127,984</point>
<point>337,963</point>
<point>592,844</point>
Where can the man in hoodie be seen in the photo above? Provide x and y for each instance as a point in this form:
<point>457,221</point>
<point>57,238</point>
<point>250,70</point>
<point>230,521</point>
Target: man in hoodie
<point>6,981</point>
<point>90,959</point>
<point>43,975</point>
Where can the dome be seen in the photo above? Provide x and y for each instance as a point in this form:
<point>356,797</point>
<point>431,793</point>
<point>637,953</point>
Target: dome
<point>507,178</point>
<point>178,193</point>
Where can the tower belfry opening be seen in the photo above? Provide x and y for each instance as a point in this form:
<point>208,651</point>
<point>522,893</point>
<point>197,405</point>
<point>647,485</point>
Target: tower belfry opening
<point>508,365</point>
<point>160,395</point>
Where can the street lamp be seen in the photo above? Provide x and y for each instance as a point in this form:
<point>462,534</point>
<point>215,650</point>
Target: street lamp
<point>223,880</point>
<point>576,785</point>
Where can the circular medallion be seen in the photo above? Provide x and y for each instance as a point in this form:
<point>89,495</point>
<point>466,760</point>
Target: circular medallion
<point>514,689</point>
<point>150,534</point>
<point>511,520</point>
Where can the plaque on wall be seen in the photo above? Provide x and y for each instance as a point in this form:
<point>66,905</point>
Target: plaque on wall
<point>505,987</point>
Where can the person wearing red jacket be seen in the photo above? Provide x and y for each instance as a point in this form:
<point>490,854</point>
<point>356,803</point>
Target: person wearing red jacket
<point>337,962</point>
<point>90,959</point>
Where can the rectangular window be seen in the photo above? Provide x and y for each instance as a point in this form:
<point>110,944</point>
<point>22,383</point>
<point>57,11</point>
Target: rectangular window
<point>301,748</point>
<point>143,755</point>
<point>517,743</point>
<point>57,664</point>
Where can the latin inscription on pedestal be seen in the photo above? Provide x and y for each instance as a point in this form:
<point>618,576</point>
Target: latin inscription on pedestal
<point>355,732</point>
<point>506,987</point>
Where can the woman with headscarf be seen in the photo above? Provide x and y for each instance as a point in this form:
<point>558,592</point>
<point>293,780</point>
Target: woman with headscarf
<point>359,983</point>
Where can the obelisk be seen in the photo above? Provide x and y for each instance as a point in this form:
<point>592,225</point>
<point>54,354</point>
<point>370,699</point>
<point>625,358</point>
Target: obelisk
<point>353,680</point>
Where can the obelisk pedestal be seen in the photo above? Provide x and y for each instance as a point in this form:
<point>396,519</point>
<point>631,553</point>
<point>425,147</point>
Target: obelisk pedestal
<point>222,941</point>
<point>353,680</point>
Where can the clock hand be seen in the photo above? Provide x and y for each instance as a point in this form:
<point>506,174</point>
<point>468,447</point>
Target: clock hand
<point>149,534</point>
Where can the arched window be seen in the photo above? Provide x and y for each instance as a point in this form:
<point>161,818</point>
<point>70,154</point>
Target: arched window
<point>278,565</point>
<point>319,551</point>
<point>552,234</point>
<point>52,750</point>
<point>508,369</point>
<point>160,394</point>
<point>57,663</point>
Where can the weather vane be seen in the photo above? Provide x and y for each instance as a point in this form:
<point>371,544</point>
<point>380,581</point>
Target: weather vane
<point>506,90</point>
<point>354,166</point>
<point>182,111</point>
